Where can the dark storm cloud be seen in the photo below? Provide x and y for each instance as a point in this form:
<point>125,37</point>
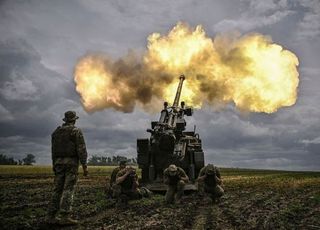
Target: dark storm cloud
<point>26,84</point>
<point>42,40</point>
<point>31,116</point>
<point>28,91</point>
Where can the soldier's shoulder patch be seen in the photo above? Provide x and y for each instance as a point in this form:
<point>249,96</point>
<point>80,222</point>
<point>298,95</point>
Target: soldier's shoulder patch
<point>76,130</point>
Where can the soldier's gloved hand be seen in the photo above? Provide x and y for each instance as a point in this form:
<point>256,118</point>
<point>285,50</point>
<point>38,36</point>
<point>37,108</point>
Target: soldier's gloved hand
<point>130,171</point>
<point>85,170</point>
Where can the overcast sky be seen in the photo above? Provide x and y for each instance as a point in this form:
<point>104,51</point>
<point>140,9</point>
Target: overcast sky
<point>41,41</point>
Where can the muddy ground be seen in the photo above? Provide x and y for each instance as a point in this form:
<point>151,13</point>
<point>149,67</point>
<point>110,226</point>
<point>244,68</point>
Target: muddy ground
<point>254,199</point>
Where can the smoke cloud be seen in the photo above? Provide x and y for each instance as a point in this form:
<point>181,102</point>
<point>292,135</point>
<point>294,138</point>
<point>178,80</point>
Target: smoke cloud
<point>250,71</point>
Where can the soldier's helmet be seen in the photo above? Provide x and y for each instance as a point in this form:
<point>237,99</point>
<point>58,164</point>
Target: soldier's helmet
<point>123,163</point>
<point>70,116</point>
<point>172,169</point>
<point>210,170</point>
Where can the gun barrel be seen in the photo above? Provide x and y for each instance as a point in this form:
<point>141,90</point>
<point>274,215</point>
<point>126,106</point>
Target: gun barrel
<point>178,94</point>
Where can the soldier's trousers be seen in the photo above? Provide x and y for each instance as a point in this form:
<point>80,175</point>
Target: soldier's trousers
<point>174,192</point>
<point>117,191</point>
<point>214,191</point>
<point>65,179</point>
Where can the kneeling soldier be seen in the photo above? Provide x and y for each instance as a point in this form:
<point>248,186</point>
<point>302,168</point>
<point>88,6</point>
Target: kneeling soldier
<point>175,177</point>
<point>209,181</point>
<point>126,186</point>
<point>122,165</point>
<point>112,182</point>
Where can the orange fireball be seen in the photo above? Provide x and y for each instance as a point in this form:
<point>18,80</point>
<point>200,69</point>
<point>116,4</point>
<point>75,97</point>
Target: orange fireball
<point>251,71</point>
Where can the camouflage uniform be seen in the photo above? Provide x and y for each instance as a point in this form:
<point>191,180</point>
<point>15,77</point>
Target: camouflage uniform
<point>112,182</point>
<point>127,189</point>
<point>114,175</point>
<point>175,184</point>
<point>68,148</point>
<point>210,184</point>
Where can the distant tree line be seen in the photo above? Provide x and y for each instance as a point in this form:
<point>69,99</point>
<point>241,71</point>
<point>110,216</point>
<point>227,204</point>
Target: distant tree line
<point>28,160</point>
<point>93,160</point>
<point>114,160</point>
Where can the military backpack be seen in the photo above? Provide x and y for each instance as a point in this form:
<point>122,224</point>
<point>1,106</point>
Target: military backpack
<point>63,142</point>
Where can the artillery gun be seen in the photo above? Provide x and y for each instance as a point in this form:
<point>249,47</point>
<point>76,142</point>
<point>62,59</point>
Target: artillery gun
<point>170,144</point>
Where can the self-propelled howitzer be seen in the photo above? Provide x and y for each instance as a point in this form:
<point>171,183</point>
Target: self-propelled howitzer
<point>170,144</point>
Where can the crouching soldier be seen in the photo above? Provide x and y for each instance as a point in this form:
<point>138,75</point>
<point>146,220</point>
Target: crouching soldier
<point>175,177</point>
<point>126,186</point>
<point>209,182</point>
<point>109,187</point>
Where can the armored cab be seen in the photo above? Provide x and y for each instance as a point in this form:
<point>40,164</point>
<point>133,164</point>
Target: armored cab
<point>169,143</point>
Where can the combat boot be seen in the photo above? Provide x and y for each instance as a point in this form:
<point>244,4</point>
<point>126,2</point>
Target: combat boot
<point>67,220</point>
<point>122,201</point>
<point>145,192</point>
<point>52,219</point>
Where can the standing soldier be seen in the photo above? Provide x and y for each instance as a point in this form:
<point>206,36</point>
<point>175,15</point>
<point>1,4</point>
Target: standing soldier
<point>126,186</point>
<point>68,148</point>
<point>209,181</point>
<point>175,177</point>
